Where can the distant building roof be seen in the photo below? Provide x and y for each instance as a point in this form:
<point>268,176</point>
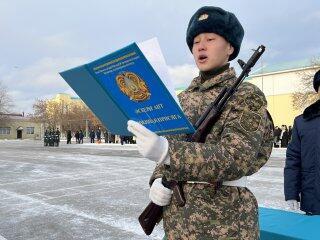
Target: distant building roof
<point>16,116</point>
<point>284,66</point>
<point>12,114</point>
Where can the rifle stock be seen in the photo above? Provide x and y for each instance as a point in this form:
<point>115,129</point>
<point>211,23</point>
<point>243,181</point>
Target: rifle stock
<point>151,215</point>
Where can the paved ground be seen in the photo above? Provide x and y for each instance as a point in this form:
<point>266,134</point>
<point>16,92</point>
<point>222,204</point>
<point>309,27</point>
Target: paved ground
<point>90,191</point>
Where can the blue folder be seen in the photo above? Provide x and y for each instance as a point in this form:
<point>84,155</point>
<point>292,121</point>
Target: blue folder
<point>122,86</point>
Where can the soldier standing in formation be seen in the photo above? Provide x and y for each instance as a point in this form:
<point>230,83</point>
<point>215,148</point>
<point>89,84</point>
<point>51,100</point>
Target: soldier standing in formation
<point>51,137</point>
<point>218,204</point>
<point>46,138</point>
<point>57,137</point>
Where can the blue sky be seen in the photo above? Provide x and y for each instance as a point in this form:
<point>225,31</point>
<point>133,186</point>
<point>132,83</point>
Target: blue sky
<point>41,38</point>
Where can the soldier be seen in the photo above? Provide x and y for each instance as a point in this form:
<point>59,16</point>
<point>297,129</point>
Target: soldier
<point>46,138</point>
<point>57,137</point>
<point>213,174</point>
<point>51,137</point>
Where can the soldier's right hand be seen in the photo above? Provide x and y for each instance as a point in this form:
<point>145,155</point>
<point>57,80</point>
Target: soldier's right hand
<point>159,194</point>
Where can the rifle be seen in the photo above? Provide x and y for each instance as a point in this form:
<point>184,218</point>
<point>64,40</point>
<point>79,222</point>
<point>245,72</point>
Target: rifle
<point>153,213</point>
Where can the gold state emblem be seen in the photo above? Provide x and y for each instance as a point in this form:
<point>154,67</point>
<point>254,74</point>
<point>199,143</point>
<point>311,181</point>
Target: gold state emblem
<point>203,17</point>
<point>133,86</point>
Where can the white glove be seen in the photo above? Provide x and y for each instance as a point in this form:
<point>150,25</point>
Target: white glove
<point>293,205</point>
<point>159,194</point>
<point>149,144</point>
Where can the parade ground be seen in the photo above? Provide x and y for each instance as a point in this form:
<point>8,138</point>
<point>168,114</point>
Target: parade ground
<point>91,191</point>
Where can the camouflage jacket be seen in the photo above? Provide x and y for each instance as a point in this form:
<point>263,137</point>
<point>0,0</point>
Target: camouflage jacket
<point>238,145</point>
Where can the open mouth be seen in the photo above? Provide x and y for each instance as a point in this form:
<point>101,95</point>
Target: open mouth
<point>202,58</point>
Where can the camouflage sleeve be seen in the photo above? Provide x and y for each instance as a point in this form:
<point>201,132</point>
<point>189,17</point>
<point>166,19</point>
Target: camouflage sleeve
<point>232,156</point>
<point>157,173</point>
<point>265,148</point>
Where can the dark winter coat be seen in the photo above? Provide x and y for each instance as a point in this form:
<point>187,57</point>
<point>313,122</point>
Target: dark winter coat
<point>81,135</point>
<point>92,134</point>
<point>69,134</point>
<point>302,170</point>
<point>285,139</point>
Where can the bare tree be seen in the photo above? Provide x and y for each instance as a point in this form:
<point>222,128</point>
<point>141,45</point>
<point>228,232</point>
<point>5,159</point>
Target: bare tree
<point>5,104</point>
<point>306,94</point>
<point>39,110</point>
<point>67,115</point>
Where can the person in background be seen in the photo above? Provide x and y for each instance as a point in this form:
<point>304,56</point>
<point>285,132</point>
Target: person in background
<point>76,135</point>
<point>302,168</point>
<point>69,136</point>
<point>98,134</point>
<point>81,135</point>
<point>277,133</point>
<point>92,136</point>
<point>285,137</point>
<point>290,133</point>
<point>106,136</point>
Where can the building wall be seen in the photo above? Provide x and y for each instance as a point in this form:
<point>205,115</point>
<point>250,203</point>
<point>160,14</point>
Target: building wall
<point>22,124</point>
<point>66,98</point>
<point>277,83</point>
<point>279,88</point>
<point>281,110</point>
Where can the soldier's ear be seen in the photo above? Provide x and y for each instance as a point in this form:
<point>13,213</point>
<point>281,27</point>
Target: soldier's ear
<point>230,49</point>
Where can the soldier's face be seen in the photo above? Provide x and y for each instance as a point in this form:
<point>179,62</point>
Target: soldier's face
<point>210,51</point>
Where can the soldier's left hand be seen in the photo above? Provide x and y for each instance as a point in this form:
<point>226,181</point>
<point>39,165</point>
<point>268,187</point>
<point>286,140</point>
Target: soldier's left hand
<point>149,144</point>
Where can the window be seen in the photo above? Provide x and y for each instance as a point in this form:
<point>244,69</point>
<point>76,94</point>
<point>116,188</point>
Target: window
<point>30,130</point>
<point>4,130</point>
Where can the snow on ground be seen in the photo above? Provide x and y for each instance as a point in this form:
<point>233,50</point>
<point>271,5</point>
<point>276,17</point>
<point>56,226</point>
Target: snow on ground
<point>91,191</point>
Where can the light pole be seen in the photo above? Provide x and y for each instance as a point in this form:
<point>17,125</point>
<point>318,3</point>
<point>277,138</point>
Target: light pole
<point>87,128</point>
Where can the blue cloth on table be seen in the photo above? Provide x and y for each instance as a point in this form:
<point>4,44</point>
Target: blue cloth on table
<point>282,225</point>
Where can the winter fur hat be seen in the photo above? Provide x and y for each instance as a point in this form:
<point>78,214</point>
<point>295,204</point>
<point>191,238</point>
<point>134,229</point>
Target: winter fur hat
<point>316,81</point>
<point>216,20</point>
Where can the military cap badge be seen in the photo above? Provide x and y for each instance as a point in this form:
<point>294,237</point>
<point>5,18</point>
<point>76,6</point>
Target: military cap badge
<point>203,17</point>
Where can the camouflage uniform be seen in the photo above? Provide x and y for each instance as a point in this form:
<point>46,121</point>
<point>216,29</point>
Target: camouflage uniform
<point>238,145</point>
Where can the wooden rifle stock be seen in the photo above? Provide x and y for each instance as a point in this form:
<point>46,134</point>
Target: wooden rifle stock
<point>153,212</point>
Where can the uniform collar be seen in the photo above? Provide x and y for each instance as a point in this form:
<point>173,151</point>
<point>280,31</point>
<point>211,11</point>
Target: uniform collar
<point>312,111</point>
<point>206,75</point>
<point>227,77</point>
